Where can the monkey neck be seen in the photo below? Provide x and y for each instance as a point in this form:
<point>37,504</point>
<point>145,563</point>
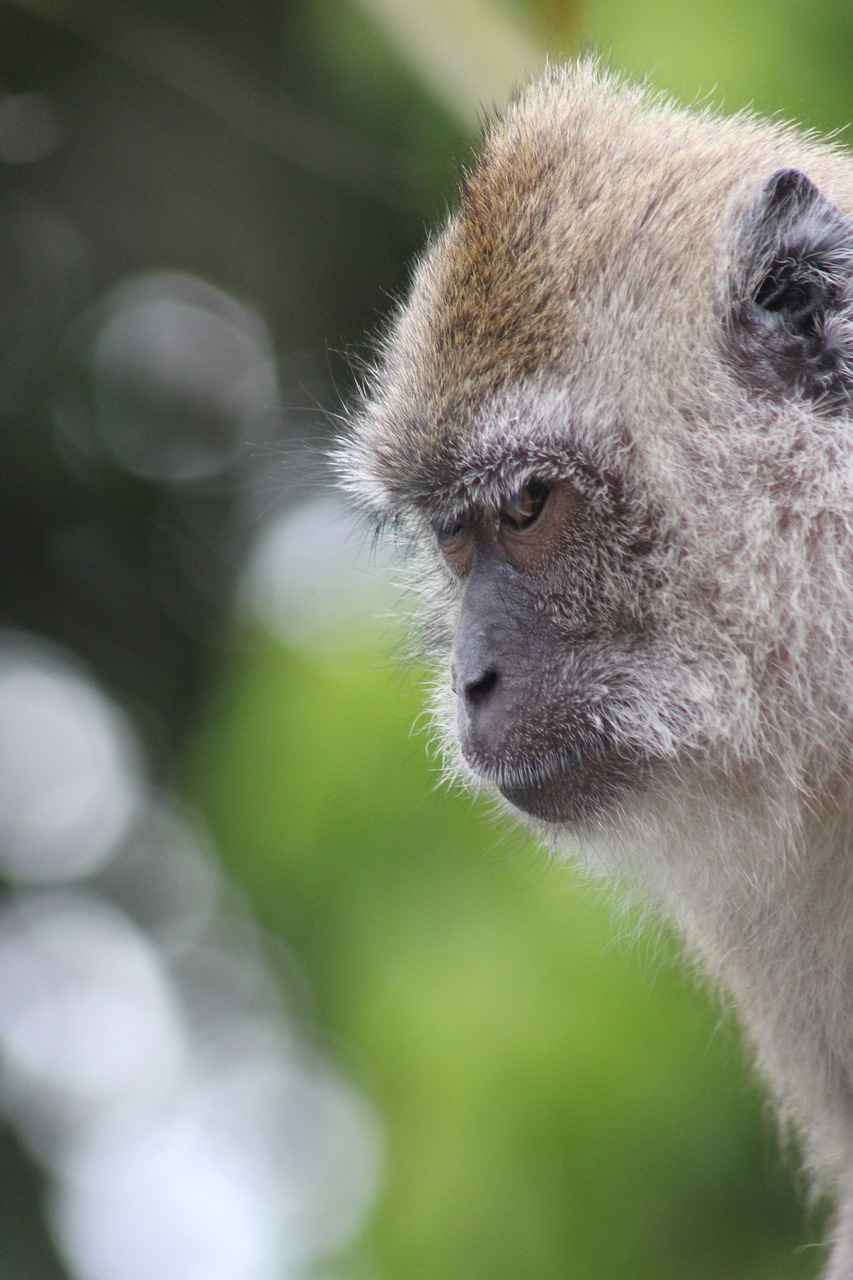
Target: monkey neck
<point>759,881</point>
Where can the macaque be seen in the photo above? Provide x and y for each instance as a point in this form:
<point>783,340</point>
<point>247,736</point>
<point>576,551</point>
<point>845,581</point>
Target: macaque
<point>614,418</point>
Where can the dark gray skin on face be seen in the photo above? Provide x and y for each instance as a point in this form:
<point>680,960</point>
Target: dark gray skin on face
<point>531,711</point>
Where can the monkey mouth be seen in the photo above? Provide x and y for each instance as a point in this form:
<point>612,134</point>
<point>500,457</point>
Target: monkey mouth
<point>573,784</point>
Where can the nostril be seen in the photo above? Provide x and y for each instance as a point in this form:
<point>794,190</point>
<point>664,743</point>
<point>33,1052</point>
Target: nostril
<point>478,691</point>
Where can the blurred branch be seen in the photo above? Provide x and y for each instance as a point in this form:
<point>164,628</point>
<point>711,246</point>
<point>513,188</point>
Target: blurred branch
<point>471,54</point>
<point>197,69</point>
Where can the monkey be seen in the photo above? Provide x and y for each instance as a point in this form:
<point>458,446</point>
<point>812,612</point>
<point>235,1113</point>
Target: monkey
<point>613,421</point>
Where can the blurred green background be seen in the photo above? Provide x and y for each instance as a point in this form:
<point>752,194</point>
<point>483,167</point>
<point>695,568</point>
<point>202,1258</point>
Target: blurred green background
<point>274,1003</point>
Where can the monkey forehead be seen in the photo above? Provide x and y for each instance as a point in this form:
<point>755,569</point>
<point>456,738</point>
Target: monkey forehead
<point>585,182</point>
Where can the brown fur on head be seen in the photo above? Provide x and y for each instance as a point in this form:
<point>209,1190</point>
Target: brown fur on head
<point>616,414</point>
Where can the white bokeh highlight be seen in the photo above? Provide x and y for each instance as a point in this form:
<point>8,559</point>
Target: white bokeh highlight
<point>69,767</point>
<point>86,1010</point>
<point>316,580</point>
<point>183,377</point>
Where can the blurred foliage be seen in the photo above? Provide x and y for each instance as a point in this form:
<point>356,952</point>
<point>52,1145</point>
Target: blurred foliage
<point>557,1096</point>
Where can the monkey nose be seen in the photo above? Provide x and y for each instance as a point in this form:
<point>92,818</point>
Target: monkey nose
<point>478,692</point>
<point>475,686</point>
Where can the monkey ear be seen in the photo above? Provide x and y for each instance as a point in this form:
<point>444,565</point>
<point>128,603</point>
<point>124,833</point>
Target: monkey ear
<point>791,320</point>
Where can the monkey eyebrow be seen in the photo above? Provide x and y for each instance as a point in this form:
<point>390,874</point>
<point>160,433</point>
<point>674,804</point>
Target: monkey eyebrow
<point>447,484</point>
<point>444,496</point>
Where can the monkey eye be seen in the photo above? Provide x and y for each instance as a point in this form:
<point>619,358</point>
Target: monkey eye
<point>446,533</point>
<point>456,544</point>
<point>522,507</point>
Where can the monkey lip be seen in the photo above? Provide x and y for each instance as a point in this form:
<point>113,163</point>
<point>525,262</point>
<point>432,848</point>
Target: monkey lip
<point>580,782</point>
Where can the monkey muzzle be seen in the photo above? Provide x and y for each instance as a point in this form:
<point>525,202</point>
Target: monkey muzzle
<point>545,758</point>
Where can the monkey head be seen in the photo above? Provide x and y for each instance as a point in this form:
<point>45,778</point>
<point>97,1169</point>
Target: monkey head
<point>612,417</point>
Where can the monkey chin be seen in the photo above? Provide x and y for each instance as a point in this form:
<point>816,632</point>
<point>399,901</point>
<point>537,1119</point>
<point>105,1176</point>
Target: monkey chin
<point>571,786</point>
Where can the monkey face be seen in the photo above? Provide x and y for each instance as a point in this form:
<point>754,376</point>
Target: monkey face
<point>615,408</point>
<point>555,605</point>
